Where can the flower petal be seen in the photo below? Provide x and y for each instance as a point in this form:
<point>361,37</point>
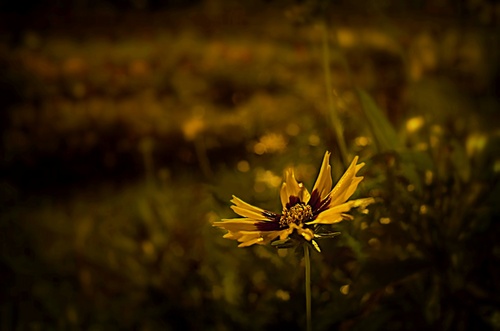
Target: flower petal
<point>289,188</point>
<point>249,242</point>
<point>337,213</point>
<point>304,195</point>
<point>347,184</point>
<point>243,237</point>
<point>323,184</point>
<point>284,195</point>
<point>248,238</point>
<point>292,189</point>
<point>246,224</point>
<point>308,234</point>
<point>247,210</point>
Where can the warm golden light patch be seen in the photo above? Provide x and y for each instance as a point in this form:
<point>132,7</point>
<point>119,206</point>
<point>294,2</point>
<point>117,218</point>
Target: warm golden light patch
<point>414,124</point>
<point>193,127</point>
<point>314,140</point>
<point>385,220</point>
<point>259,148</point>
<point>362,141</point>
<point>428,177</point>
<point>243,166</point>
<point>270,143</point>
<point>268,178</point>
<point>283,295</point>
<point>292,129</point>
<point>475,143</point>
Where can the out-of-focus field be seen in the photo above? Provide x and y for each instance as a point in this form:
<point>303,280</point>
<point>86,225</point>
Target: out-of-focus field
<point>125,133</point>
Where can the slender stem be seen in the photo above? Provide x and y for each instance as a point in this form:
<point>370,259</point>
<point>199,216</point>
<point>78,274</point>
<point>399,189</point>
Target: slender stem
<point>201,153</point>
<point>307,261</point>
<point>332,110</point>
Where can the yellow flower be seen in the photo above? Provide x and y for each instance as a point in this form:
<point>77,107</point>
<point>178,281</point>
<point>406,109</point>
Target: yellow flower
<point>302,210</point>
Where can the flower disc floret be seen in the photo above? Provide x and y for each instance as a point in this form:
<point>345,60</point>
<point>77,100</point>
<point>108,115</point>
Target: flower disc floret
<point>298,214</point>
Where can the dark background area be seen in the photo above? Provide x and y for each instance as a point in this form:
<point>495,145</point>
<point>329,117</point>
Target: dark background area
<point>126,127</point>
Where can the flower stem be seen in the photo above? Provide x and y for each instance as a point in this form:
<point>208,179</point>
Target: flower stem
<point>307,261</point>
<point>334,117</point>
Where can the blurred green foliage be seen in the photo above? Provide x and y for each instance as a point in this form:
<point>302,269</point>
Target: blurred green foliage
<point>122,144</point>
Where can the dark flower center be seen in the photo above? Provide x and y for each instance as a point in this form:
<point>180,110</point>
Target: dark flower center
<point>298,214</point>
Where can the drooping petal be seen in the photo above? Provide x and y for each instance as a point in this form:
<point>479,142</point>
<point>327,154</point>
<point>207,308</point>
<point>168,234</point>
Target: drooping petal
<point>308,234</point>
<point>286,233</point>
<point>323,183</point>
<point>247,210</point>
<point>246,224</point>
<point>336,214</point>
<point>248,238</point>
<point>292,189</point>
<point>347,184</point>
<point>250,241</point>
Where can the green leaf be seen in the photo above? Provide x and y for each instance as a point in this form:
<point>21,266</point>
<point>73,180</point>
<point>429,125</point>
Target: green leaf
<point>326,235</point>
<point>460,161</point>
<point>285,243</point>
<point>413,166</point>
<point>382,130</point>
<point>421,160</point>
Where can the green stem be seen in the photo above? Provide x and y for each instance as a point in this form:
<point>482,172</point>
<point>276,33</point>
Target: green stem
<point>307,261</point>
<point>334,117</point>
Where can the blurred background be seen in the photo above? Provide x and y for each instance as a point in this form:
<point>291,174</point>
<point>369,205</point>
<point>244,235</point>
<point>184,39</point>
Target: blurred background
<point>126,126</point>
